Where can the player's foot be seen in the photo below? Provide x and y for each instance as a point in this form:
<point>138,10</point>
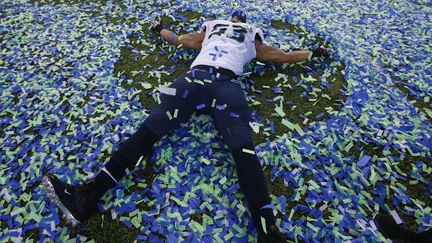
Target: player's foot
<point>388,227</point>
<point>77,203</point>
<point>273,236</point>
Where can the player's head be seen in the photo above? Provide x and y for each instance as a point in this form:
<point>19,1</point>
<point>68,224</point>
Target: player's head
<point>238,16</point>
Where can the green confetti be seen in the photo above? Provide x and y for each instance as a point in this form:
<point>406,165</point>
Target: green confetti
<point>139,161</point>
<point>169,115</point>
<point>205,161</point>
<point>136,221</point>
<point>228,236</point>
<point>263,224</point>
<point>248,151</point>
<point>198,81</point>
<point>217,238</point>
<point>288,124</point>
<point>147,85</point>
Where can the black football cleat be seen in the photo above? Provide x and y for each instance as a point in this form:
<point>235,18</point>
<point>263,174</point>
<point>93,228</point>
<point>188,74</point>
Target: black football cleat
<point>389,229</point>
<point>77,203</point>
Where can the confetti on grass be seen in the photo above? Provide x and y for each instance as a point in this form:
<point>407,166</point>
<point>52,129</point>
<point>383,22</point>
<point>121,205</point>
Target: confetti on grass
<point>363,161</point>
<point>64,109</point>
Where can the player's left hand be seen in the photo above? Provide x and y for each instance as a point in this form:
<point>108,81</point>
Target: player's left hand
<point>320,52</point>
<point>156,25</point>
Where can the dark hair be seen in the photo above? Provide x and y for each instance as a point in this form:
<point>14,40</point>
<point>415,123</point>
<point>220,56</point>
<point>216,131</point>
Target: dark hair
<point>240,15</point>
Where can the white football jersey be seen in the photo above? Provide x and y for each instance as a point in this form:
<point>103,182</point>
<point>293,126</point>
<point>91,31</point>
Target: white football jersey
<point>228,45</point>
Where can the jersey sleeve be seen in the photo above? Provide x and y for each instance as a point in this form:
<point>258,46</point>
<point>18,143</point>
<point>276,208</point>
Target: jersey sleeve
<point>259,32</point>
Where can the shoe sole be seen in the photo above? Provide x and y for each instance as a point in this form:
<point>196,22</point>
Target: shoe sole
<point>52,196</point>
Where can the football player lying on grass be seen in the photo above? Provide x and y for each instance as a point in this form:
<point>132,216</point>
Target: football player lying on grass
<point>226,46</point>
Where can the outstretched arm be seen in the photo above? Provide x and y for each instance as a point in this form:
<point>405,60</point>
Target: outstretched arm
<point>266,53</point>
<point>191,40</point>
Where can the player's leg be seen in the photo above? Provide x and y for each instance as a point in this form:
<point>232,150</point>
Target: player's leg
<point>124,159</point>
<point>176,106</point>
<point>233,123</point>
<point>78,203</point>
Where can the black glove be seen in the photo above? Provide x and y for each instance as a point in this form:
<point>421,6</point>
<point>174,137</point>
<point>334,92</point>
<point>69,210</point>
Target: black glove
<point>320,52</point>
<point>156,26</point>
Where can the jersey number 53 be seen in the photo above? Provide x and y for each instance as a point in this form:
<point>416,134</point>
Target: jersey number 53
<point>238,32</point>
